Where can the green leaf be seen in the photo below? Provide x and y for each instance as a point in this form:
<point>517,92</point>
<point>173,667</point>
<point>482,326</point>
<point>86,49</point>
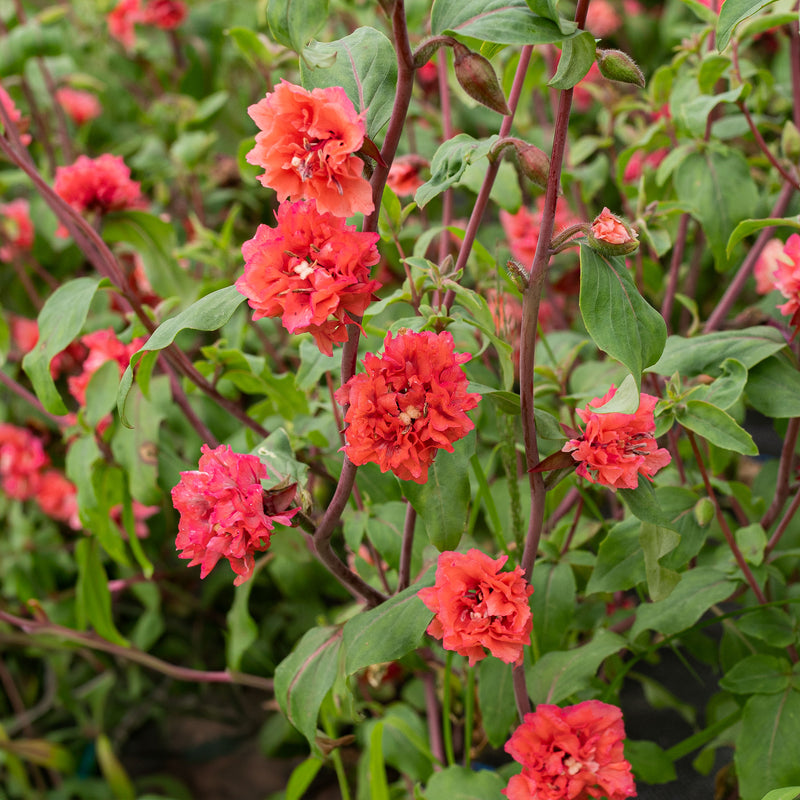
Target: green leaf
<point>650,763</point>
<point>499,21</point>
<point>304,677</point>
<point>751,540</point>
<point>293,22</point>
<point>557,675</point>
<point>208,314</point>
<point>60,321</point>
<point>27,41</point>
<point>657,542</point>
<point>750,226</point>
<point>617,317</point>
<point>101,392</point>
<point>92,597</point>
<point>118,781</point>
<point>758,674</point>
<point>695,113</point>
<point>302,776</point>
<point>773,388</point>
<point>41,752</point>
<point>496,699</point>
<point>620,560</point>
<point>772,625</point>
<point>553,603</point>
<point>577,57</point>
<point>449,163</point>
<point>731,14</point>
<point>766,747</point>
<point>727,388</point>
<point>376,777</point>
<point>644,505</point>
<point>254,47</point>
<point>313,365</point>
<point>787,793</point>
<point>242,628</point>
<point>443,500</point>
<point>698,590</point>
<point>705,354</point>
<point>364,65</point>
<point>460,783</point>
<point>626,399</point>
<point>387,632</point>
<point>715,425</point>
<point>716,187</point>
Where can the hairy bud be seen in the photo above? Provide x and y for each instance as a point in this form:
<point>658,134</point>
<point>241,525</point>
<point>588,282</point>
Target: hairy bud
<point>618,66</point>
<point>424,53</point>
<point>790,141</point>
<point>477,78</point>
<point>611,236</point>
<point>533,162</point>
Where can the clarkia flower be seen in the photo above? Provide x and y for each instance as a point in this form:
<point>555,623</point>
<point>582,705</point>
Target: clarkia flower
<point>522,228</point>
<point>22,459</point>
<point>122,20</point>
<point>572,753</point>
<point>15,115</point>
<point>164,14</point>
<point>306,147</point>
<point>58,498</point>
<point>80,106</point>
<point>16,229</point>
<point>477,606</point>
<point>404,174</point>
<point>787,278</point>
<point>222,512</point>
<point>410,402</point>
<point>312,271</point>
<point>616,448</point>
<point>767,265</point>
<point>608,227</point>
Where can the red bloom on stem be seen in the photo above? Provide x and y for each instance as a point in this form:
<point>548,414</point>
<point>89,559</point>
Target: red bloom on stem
<point>573,753</point>
<point>222,512</point>
<point>121,21</point>
<point>22,459</point>
<point>616,448</point>
<point>787,278</point>
<point>312,271</point>
<point>58,498</point>
<point>608,227</point>
<point>306,147</point>
<point>15,115</point>
<point>80,106</point>
<point>767,266</point>
<point>410,402</point>
<point>522,228</point>
<point>98,185</point>
<point>16,229</point>
<point>640,162</point>
<point>164,14</point>
<point>404,174</point>
<point>477,606</point>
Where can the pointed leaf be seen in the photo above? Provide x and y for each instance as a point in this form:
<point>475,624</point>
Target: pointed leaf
<point>773,388</point>
<point>731,14</point>
<point>657,542</point>
<point>577,57</point>
<point>293,22</point>
<point>553,603</point>
<point>750,226</point>
<point>496,699</point>
<point>758,674</point>
<point>460,783</point>
<point>716,425</point>
<point>92,597</point>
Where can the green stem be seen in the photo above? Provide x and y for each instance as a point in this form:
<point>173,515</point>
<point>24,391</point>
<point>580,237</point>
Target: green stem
<point>697,740</point>
<point>447,728</point>
<point>336,758</point>
<point>469,715</point>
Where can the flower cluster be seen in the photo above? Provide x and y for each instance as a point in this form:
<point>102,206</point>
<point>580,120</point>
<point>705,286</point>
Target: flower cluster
<point>164,14</point>
<point>312,271</point>
<point>16,229</point>
<point>410,402</point>
<point>306,145</point>
<point>222,512</point>
<point>80,106</point>
<point>573,753</point>
<point>616,448</point>
<point>477,606</point>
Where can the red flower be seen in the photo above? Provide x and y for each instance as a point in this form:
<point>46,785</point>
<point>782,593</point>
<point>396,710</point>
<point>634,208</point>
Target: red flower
<point>312,271</point>
<point>573,753</point>
<point>607,227</point>
<point>121,21</point>
<point>410,402</point>
<point>767,266</point>
<point>103,346</point>
<point>787,278</point>
<point>641,161</point>
<point>476,606</point>
<point>164,14</point>
<point>98,185</point>
<point>22,459</point>
<point>404,174</point>
<point>616,448</point>
<point>80,106</point>
<point>16,229</point>
<point>14,114</point>
<point>58,498</point>
<point>602,19</point>
<point>222,512</point>
<point>306,147</point>
<point>522,228</point>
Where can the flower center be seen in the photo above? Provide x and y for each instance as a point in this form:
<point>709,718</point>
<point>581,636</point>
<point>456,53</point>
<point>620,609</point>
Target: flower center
<point>639,444</point>
<point>574,766</point>
<point>304,269</point>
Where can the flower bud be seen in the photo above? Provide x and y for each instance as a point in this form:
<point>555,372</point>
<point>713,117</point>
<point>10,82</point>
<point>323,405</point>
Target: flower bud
<point>703,511</point>
<point>618,66</point>
<point>477,78</point>
<point>533,162</point>
<point>790,141</point>
<point>611,236</point>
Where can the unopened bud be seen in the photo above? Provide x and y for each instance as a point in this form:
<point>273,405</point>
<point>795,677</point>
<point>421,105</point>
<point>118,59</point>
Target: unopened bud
<point>533,162</point>
<point>703,511</point>
<point>611,236</point>
<point>790,141</point>
<point>518,274</point>
<point>618,66</point>
<point>477,78</point>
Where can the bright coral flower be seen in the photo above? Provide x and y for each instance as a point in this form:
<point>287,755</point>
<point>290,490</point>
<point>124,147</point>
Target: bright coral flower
<point>312,271</point>
<point>616,448</point>
<point>222,512</point>
<point>404,174</point>
<point>573,753</point>
<point>477,606</point>
<point>410,402</point>
<point>22,459</point>
<point>306,147</point>
<point>164,14</point>
<point>607,227</point>
<point>80,106</point>
<point>641,163</point>
<point>58,498</point>
<point>767,265</point>
<point>16,229</point>
<point>14,114</point>
<point>522,228</point>
<point>787,278</point>
<point>122,20</point>
<point>98,185</point>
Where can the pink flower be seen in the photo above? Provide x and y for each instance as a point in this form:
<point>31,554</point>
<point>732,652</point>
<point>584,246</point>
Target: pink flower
<point>572,753</point>
<point>80,106</point>
<point>15,115</point>
<point>641,163</point>
<point>58,498</point>
<point>404,174</point>
<point>306,147</point>
<point>616,448</point>
<point>522,228</point>
<point>103,345</point>
<point>164,14</point>
<point>140,514</point>
<point>98,185</point>
<point>477,606</point>
<point>16,229</point>
<point>312,271</point>
<point>767,266</point>
<point>24,335</point>
<point>602,19</point>
<point>609,228</point>
<point>410,402</point>
<point>22,459</point>
<point>121,21</point>
<point>222,512</point>
<point>787,278</point>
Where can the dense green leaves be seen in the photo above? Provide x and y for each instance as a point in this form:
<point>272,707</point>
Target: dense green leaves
<point>294,22</point>
<point>773,388</point>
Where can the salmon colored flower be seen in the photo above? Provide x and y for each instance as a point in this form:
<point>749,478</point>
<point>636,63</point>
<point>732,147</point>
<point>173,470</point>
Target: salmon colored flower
<point>767,265</point>
<point>122,20</point>
<point>80,106</point>
<point>404,174</point>
<point>312,271</point>
<point>306,147</point>
<point>616,448</point>
<point>410,402</point>
<point>22,459</point>
<point>572,753</point>
<point>58,498</point>
<point>164,14</point>
<point>641,163</point>
<point>102,345</point>
<point>477,606</point>
<point>602,19</point>
<point>222,512</point>
<point>16,229</point>
<point>15,115</point>
<point>609,228</point>
<point>787,278</point>
<point>522,228</point>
